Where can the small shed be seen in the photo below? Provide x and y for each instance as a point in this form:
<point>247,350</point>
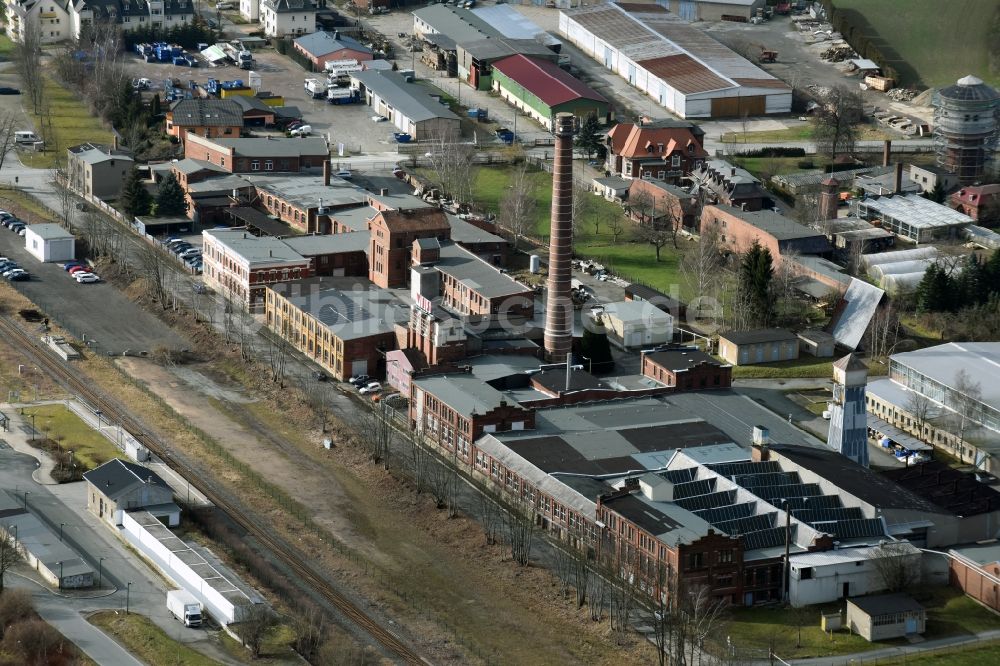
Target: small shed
<point>49,242</point>
<point>636,324</point>
<point>816,343</point>
<point>884,616</point>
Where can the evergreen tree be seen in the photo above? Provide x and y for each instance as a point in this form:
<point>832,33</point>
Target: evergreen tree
<point>937,195</point>
<point>756,272</point>
<point>970,285</point>
<point>135,200</point>
<point>154,105</point>
<point>936,290</point>
<point>588,139</point>
<point>991,273</point>
<point>170,198</point>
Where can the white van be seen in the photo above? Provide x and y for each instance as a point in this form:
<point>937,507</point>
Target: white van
<point>26,136</point>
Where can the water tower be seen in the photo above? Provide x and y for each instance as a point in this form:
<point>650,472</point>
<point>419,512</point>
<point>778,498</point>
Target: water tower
<point>966,118</point>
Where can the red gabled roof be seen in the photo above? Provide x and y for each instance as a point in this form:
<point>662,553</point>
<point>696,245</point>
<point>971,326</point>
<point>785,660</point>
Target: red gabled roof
<point>545,80</point>
<point>638,138</point>
<point>974,194</point>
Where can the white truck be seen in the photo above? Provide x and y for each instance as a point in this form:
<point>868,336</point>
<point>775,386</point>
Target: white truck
<point>240,56</point>
<point>185,607</point>
<point>315,87</point>
<point>337,68</point>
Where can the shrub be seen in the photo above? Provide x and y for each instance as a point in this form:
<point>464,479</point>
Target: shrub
<point>15,605</point>
<point>33,642</point>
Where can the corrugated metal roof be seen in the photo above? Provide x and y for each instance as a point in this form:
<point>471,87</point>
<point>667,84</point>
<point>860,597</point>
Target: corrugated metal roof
<point>685,73</point>
<point>545,80</point>
<point>410,99</point>
<point>324,43</point>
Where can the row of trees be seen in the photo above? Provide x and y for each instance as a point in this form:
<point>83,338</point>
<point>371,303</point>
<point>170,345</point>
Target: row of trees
<point>969,282</point>
<point>135,199</point>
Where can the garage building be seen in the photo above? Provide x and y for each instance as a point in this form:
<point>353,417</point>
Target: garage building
<point>636,324</point>
<point>409,106</point>
<point>714,10</point>
<point>686,71</point>
<point>541,90</point>
<point>49,242</point>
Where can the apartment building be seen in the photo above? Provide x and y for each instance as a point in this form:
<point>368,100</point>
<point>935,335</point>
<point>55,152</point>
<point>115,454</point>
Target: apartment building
<point>287,17</point>
<point>210,118</point>
<point>259,154</point>
<point>667,150</point>
<point>58,20</point>
<point>97,170</point>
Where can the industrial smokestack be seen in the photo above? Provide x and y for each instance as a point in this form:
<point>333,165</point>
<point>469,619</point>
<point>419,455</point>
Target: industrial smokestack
<point>897,186</point>
<point>886,152</point>
<point>559,306</point>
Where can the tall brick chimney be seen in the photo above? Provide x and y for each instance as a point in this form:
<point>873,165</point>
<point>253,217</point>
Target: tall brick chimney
<point>887,153</point>
<point>559,305</point>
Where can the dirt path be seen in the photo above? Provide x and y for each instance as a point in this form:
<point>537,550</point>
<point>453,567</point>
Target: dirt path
<point>186,393</point>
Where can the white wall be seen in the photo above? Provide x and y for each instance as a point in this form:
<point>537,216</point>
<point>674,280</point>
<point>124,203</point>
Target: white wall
<point>52,250</point>
<point>180,573</point>
<point>827,582</point>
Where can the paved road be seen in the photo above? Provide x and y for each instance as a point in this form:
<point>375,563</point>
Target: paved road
<point>901,652</point>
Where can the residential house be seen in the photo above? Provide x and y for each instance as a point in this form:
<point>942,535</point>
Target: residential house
<point>540,89</point>
<point>980,202</point>
<point>118,486</point>
<point>322,47</point>
<point>722,183</point>
<point>97,170</point>
<point>250,10</point>
<point>210,118</point>
<point>929,176</point>
<point>287,17</point>
<point>131,14</point>
<point>762,345</point>
<point>240,266</point>
<point>52,17</point>
<point>667,150</point>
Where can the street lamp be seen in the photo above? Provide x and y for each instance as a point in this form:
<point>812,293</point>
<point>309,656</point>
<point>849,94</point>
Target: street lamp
<point>590,364</point>
<point>100,571</point>
<point>59,586</point>
<point>128,593</point>
<point>99,414</point>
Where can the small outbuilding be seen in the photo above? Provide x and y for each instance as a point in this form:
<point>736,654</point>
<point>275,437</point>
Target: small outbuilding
<point>633,324</point>
<point>118,486</point>
<point>817,343</point>
<point>884,616</point>
<point>762,345</point>
<point>49,242</point>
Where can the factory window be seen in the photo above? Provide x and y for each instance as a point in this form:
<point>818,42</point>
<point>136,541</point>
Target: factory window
<point>255,165</point>
<point>675,161</point>
<point>695,560</point>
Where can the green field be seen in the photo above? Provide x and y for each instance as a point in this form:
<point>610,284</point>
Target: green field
<point>930,43</point>
<point>979,655</point>
<point>628,258</point>
<point>72,124</point>
<point>71,434</point>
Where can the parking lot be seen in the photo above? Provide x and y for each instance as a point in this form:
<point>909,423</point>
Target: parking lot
<point>349,124</point>
<point>97,312</point>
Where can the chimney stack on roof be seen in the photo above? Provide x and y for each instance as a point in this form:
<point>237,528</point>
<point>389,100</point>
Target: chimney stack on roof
<point>898,184</point>
<point>886,152</point>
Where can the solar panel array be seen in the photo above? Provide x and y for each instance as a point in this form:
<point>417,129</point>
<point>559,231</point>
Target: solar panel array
<point>765,538</point>
<point>776,494</point>
<point>692,488</point>
<point>748,525</point>
<point>680,475</point>
<point>709,501</point>
<point>731,469</point>
<point>812,515</point>
<point>721,513</point>
<point>855,529</point>
<point>750,481</point>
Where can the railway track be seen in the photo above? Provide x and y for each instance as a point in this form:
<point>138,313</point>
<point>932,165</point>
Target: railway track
<point>116,412</point>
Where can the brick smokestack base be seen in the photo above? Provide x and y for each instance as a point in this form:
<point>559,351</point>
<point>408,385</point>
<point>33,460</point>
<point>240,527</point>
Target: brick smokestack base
<point>559,306</point>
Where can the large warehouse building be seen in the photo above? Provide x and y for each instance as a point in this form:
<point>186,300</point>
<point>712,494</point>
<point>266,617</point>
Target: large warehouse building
<point>686,71</point>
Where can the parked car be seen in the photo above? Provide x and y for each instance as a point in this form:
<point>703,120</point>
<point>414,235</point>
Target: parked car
<point>20,230</point>
<point>9,91</point>
<point>223,5</point>
<point>373,387</point>
<point>379,119</point>
<point>22,276</point>
<point>80,268</point>
<point>182,247</point>
<point>359,380</point>
<point>302,130</point>
<point>345,174</point>
<point>67,266</point>
<point>12,269</point>
<point>320,376</point>
<point>86,278</point>
<point>8,267</point>
<point>294,124</point>
<point>190,252</point>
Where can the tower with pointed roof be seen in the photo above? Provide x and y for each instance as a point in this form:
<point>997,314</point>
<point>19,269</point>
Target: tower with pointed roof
<point>848,419</point>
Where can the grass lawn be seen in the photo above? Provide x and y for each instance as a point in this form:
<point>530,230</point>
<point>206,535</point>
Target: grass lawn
<point>147,641</point>
<point>66,429</point>
<point>984,654</point>
<point>6,47</point>
<point>802,367</point>
<point>903,29</point>
<point>27,203</point>
<point>951,613</point>
<point>800,132</point>
<point>774,166</point>
<point>72,123</point>
<point>756,628</point>
<point>628,258</point>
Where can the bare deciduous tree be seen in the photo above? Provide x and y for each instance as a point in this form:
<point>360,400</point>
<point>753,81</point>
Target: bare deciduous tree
<point>277,358</point>
<point>310,632</point>
<point>254,622</point>
<point>152,268</point>
<point>519,523</point>
<point>966,401</point>
<point>27,61</point>
<point>837,122</point>
<point>9,124</point>
<point>701,266</point>
<point>10,553</point>
<point>453,167</point>
<point>518,204</point>
<point>379,433</point>
<point>490,516</point>
<point>896,565</point>
<point>883,332</point>
<point>616,225</point>
<point>919,406</point>
<point>623,593</point>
